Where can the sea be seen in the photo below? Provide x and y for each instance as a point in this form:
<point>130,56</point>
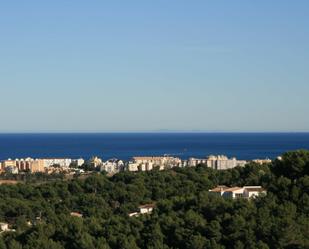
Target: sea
<point>123,146</point>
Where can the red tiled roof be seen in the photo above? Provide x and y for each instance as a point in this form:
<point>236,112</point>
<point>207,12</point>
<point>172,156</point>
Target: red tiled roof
<point>219,188</point>
<point>232,189</point>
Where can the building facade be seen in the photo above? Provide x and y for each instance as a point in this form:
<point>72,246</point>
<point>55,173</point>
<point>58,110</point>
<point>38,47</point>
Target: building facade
<point>149,163</point>
<point>246,192</point>
<point>222,162</point>
<point>112,166</point>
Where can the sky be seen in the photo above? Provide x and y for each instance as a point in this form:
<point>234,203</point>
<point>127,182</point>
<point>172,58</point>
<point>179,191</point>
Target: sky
<point>94,66</point>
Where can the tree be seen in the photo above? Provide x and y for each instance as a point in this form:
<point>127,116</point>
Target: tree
<point>293,165</point>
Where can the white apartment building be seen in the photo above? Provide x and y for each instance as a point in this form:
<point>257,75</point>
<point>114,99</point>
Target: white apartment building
<point>112,166</point>
<point>222,162</point>
<point>62,162</point>
<point>79,161</point>
<point>132,166</point>
<point>149,163</point>
<point>193,162</point>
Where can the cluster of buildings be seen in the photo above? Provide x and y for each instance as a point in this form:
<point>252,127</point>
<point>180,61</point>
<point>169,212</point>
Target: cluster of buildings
<point>245,192</point>
<point>166,162</point>
<point>219,162</point>
<point>46,165</point>
<point>114,165</point>
<point>150,163</point>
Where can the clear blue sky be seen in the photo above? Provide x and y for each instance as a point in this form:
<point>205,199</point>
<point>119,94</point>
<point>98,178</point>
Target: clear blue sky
<point>151,65</point>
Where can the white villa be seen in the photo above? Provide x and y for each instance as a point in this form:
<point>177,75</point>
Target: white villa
<point>143,209</point>
<point>146,209</point>
<point>253,191</point>
<point>239,192</point>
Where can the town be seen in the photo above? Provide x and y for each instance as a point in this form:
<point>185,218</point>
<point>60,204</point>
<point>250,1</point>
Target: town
<point>136,164</point>
<point>209,193</point>
<point>114,165</point>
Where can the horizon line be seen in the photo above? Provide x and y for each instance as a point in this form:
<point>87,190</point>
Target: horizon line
<point>152,131</point>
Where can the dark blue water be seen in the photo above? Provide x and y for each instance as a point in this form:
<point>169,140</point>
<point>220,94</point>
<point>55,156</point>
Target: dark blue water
<point>126,145</point>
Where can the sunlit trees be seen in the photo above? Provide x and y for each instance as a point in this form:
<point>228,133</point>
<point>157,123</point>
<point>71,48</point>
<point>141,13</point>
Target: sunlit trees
<point>186,215</point>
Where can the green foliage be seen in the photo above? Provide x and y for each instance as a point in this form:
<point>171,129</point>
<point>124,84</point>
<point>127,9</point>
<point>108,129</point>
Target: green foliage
<point>186,215</point>
<point>293,164</point>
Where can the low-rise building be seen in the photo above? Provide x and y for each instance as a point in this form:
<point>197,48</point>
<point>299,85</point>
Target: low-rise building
<point>219,190</point>
<point>147,208</point>
<point>143,209</point>
<point>234,192</point>
<point>253,191</point>
<point>238,192</point>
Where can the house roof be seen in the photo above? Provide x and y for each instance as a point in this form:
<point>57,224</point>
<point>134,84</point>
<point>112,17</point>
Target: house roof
<point>233,189</point>
<point>219,188</point>
<point>76,214</point>
<point>150,205</point>
<point>254,188</point>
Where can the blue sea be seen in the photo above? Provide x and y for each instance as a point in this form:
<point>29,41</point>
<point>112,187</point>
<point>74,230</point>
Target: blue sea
<point>126,145</point>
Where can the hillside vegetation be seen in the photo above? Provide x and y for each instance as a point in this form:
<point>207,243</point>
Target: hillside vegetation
<point>186,215</point>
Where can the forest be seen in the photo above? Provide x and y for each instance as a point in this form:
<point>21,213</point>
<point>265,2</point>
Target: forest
<point>186,215</point>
